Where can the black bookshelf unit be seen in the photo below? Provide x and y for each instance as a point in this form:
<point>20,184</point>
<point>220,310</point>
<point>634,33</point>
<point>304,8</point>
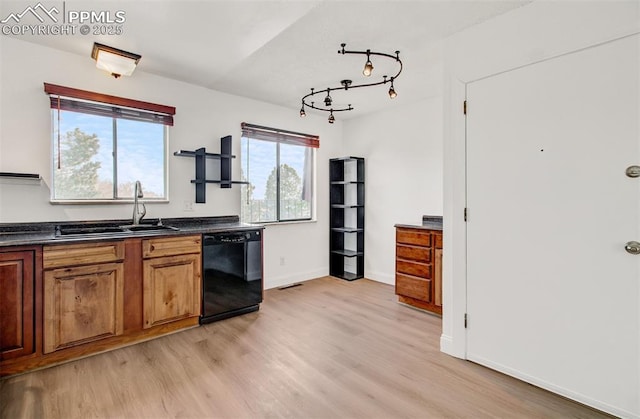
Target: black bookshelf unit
<point>346,218</point>
<point>201,157</point>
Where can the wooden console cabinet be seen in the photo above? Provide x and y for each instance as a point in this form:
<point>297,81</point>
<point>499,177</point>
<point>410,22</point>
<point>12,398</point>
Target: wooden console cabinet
<point>419,267</point>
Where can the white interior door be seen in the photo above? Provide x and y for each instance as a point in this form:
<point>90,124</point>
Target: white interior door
<point>552,295</point>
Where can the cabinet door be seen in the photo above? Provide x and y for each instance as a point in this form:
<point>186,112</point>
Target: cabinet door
<point>437,277</point>
<point>16,304</point>
<point>82,304</point>
<point>171,289</point>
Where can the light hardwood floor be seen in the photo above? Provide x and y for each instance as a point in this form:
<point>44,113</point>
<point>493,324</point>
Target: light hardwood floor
<point>325,349</point>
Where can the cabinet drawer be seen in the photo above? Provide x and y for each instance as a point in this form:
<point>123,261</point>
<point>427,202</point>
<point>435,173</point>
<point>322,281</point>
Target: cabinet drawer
<point>415,237</point>
<point>420,254</point>
<point>418,288</point>
<point>82,254</point>
<point>168,246</point>
<point>438,240</point>
<point>422,270</point>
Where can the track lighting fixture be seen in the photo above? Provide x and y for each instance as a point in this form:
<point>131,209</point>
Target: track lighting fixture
<point>348,84</point>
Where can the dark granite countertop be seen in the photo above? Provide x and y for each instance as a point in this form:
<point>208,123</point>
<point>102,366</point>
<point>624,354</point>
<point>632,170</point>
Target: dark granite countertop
<point>20,234</point>
<point>429,222</point>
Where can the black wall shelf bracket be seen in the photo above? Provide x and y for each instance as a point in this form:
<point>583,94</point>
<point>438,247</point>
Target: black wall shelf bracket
<point>26,176</point>
<point>201,157</point>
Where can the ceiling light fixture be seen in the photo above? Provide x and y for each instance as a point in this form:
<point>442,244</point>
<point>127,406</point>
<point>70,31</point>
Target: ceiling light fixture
<point>114,60</point>
<point>348,84</point>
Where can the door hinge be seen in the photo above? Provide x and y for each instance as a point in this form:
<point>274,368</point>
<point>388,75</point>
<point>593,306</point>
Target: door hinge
<point>465,320</point>
<point>465,215</point>
<point>464,107</point>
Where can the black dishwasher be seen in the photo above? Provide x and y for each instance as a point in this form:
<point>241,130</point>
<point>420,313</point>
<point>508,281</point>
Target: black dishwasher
<point>231,274</point>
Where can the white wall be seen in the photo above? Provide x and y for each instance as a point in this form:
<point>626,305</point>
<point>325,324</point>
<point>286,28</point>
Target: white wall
<point>402,147</point>
<point>202,117</point>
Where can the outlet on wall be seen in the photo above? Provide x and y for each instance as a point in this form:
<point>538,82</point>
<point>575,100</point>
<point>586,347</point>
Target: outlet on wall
<point>187,206</point>
<point>281,260</point>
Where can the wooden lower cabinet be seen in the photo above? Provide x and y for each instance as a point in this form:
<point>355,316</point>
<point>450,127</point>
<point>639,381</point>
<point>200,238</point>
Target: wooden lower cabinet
<point>59,302</point>
<point>82,304</point>
<point>171,279</point>
<point>18,279</point>
<point>419,267</point>
<point>171,289</point>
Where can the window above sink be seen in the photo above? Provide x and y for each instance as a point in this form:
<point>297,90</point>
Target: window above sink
<point>102,144</point>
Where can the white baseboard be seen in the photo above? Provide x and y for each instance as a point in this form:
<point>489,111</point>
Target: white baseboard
<point>282,281</point>
<point>581,398</point>
<point>446,345</point>
<point>380,277</point>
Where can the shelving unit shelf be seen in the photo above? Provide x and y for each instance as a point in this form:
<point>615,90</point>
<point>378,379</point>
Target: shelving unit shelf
<point>201,157</point>
<point>346,245</point>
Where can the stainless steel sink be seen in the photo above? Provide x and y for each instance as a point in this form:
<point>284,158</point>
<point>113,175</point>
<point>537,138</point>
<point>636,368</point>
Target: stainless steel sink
<point>73,230</point>
<point>148,227</point>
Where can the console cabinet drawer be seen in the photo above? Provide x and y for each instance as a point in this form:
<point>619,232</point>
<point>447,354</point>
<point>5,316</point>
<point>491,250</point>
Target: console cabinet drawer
<point>418,288</point>
<point>420,254</point>
<point>421,270</point>
<point>415,237</point>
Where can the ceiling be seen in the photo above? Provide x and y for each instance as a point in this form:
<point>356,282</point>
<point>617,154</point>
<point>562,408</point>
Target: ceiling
<point>275,51</point>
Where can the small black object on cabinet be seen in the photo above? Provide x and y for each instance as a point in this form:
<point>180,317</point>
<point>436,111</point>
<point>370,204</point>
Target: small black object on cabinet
<point>201,157</point>
<point>346,217</point>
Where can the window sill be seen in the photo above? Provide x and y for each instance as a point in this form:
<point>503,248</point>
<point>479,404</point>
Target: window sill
<point>275,223</point>
<point>105,202</point>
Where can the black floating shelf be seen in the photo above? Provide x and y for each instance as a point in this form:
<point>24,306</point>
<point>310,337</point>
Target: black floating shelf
<point>31,176</point>
<point>347,253</point>
<point>201,155</point>
<point>342,182</point>
<point>187,153</point>
<point>346,206</point>
<point>219,181</point>
<point>347,230</point>
<point>350,276</point>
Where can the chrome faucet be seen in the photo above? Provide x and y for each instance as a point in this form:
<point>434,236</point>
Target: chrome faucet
<point>137,214</point>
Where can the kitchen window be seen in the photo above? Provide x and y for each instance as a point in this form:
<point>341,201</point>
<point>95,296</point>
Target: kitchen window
<point>279,167</point>
<point>102,144</point>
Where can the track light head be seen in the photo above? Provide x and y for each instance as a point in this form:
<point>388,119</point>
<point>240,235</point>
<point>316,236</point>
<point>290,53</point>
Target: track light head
<point>368,66</point>
<point>392,91</point>
<point>302,112</point>
<point>332,119</point>
<point>328,100</point>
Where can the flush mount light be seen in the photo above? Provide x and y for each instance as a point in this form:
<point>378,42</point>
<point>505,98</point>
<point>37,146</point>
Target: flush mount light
<point>114,60</point>
<point>348,84</point>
